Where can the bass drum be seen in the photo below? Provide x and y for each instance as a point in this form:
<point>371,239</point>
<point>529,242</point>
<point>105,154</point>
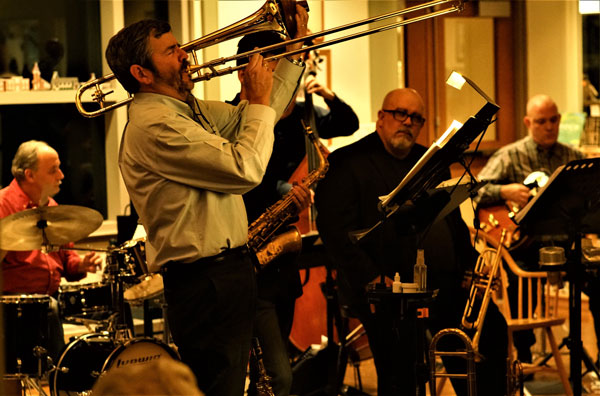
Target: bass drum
<point>88,356</point>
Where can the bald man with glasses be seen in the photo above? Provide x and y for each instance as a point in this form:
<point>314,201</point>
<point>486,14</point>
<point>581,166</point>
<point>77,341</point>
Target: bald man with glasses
<point>347,200</point>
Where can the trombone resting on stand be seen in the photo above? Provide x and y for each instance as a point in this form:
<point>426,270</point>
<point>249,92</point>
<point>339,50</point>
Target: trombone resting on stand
<point>483,280</point>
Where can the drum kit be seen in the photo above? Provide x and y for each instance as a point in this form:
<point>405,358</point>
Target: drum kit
<point>100,306</point>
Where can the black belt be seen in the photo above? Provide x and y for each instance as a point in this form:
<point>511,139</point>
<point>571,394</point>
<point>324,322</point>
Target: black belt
<point>174,267</point>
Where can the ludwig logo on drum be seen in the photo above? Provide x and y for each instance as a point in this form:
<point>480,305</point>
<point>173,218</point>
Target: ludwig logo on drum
<point>142,359</point>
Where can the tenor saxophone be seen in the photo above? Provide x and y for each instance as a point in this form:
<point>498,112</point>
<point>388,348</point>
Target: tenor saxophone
<point>262,237</point>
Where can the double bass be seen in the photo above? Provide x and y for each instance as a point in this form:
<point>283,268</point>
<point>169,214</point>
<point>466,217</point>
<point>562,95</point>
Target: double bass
<point>311,310</point>
<point>310,321</point>
<point>306,223</point>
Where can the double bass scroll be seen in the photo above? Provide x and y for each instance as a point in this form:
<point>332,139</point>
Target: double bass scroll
<point>306,223</point>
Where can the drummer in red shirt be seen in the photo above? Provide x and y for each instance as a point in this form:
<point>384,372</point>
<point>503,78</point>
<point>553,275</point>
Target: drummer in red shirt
<point>37,178</point>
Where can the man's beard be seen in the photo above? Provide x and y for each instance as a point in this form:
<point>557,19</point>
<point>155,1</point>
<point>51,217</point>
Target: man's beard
<point>401,142</point>
<point>175,80</point>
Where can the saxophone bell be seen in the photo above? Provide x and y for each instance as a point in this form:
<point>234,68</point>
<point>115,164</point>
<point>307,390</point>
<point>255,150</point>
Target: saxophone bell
<point>289,241</point>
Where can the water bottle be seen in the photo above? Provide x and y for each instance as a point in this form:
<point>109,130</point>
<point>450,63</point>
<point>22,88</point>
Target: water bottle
<point>420,271</point>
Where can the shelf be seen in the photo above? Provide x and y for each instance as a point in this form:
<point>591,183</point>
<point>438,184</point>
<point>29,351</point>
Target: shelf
<point>39,97</point>
<point>60,96</point>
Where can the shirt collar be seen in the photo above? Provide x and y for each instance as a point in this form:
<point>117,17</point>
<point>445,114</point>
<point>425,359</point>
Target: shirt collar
<point>176,104</point>
<point>531,144</point>
<point>22,200</point>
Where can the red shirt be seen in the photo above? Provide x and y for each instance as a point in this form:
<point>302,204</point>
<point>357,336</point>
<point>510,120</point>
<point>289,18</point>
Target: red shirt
<point>33,272</point>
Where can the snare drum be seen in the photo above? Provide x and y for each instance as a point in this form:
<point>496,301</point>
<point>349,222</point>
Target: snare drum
<point>88,356</point>
<point>150,287</point>
<point>85,301</point>
<point>145,285</point>
<point>25,333</point>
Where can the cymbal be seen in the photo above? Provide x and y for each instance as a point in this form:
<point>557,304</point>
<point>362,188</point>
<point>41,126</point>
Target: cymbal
<point>47,225</point>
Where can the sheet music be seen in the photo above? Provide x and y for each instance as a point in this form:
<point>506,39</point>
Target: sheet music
<point>435,147</point>
<point>523,212</point>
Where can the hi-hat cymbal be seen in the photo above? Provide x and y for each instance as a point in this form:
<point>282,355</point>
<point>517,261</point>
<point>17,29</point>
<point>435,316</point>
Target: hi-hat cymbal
<point>47,225</point>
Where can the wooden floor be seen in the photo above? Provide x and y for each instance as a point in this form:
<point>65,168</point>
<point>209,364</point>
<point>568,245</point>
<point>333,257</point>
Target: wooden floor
<point>542,383</point>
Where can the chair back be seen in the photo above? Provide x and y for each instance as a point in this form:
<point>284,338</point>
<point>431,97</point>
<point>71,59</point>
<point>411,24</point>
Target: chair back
<point>533,287</point>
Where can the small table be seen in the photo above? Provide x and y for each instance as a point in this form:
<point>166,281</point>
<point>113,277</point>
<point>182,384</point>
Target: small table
<point>413,307</point>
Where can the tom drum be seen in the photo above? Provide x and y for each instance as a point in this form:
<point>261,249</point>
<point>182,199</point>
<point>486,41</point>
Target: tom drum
<point>25,334</point>
<point>91,301</point>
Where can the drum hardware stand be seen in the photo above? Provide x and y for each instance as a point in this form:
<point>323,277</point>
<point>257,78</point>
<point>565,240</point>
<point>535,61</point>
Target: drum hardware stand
<point>590,366</point>
<point>149,326</point>
<point>345,353</point>
<point>117,328</point>
<point>26,381</point>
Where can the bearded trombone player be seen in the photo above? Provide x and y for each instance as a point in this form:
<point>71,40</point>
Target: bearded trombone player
<point>186,164</point>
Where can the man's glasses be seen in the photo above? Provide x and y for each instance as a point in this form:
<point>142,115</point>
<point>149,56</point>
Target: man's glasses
<point>401,115</point>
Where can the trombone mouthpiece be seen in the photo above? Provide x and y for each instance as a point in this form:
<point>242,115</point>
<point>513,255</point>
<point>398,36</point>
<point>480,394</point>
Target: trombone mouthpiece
<point>193,69</point>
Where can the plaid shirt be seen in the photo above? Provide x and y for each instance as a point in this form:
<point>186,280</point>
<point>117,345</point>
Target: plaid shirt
<point>514,162</point>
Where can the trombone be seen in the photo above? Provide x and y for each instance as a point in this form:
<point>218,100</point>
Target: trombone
<point>483,278</point>
<point>274,15</point>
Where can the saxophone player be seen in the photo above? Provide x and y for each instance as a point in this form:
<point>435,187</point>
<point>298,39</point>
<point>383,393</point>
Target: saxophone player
<point>279,285</point>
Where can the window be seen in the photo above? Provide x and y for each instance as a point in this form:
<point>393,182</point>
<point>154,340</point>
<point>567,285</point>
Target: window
<point>61,36</point>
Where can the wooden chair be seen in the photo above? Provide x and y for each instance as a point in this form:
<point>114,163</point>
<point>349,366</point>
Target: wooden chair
<point>545,315</point>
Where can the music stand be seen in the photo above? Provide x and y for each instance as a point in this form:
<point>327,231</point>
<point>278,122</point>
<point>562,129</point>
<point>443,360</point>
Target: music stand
<point>425,174</point>
<point>423,201</point>
<point>568,204</point>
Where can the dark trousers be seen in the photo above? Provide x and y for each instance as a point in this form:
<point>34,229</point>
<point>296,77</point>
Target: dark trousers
<point>211,305</point>
<point>278,286</point>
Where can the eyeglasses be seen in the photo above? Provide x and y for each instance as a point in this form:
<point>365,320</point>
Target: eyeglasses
<point>401,115</point>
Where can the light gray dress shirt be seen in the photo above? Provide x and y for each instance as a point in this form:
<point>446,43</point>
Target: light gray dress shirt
<point>186,177</point>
